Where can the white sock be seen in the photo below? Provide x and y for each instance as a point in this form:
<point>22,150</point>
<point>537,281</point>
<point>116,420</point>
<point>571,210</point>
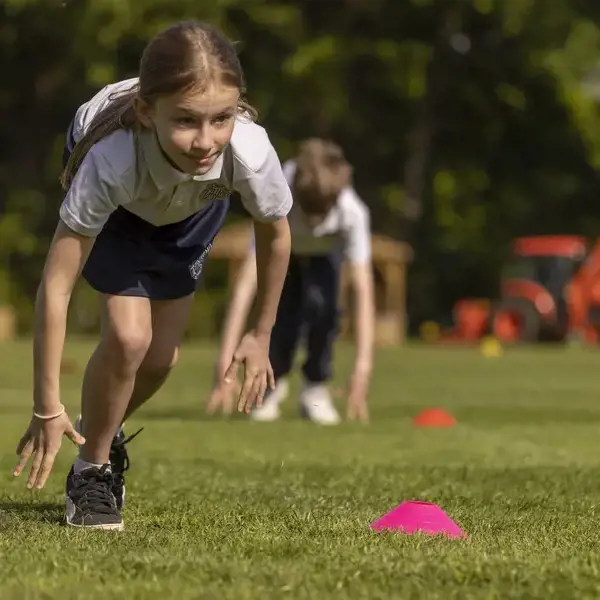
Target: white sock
<point>81,465</point>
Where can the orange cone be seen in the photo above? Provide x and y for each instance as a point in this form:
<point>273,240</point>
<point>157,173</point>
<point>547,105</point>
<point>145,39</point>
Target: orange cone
<point>434,417</point>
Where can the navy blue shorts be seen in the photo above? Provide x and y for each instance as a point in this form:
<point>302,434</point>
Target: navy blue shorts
<point>132,257</point>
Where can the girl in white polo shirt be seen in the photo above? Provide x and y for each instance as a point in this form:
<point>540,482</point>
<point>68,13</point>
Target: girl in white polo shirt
<point>329,223</point>
<point>150,165</point>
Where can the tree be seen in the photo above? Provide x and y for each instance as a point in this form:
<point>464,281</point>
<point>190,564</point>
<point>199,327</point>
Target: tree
<point>466,122</point>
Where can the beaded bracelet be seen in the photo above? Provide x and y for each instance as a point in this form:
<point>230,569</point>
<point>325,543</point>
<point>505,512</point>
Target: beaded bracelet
<point>50,417</point>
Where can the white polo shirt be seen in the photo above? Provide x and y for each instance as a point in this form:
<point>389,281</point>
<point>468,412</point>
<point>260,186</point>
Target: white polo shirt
<point>128,169</point>
<point>346,228</point>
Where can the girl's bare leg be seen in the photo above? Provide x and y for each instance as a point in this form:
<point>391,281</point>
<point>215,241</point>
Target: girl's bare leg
<point>111,372</point>
<point>169,320</point>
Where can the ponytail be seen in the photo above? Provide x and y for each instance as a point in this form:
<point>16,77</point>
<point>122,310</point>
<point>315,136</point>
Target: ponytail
<point>119,114</point>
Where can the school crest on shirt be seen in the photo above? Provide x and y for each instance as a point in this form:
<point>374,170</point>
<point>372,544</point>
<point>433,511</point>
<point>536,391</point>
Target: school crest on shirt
<point>214,191</point>
<point>198,264</point>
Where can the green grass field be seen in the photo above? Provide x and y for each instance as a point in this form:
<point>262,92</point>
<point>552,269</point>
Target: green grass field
<point>229,509</point>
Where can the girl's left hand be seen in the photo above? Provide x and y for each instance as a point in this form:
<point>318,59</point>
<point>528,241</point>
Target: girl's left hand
<point>253,353</point>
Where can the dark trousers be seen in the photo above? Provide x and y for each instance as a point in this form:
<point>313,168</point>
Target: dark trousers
<point>309,308</point>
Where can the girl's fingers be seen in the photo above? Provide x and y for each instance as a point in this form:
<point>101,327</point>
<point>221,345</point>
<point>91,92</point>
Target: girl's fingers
<point>24,457</point>
<point>38,457</point>
<point>23,441</point>
<point>213,402</point>
<point>74,436</point>
<point>45,468</point>
<point>255,392</point>
<point>262,391</point>
<point>231,372</point>
<point>271,376</point>
<point>246,390</point>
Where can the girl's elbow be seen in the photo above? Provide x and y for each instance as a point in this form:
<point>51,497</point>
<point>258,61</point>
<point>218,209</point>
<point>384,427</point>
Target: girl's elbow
<point>277,228</point>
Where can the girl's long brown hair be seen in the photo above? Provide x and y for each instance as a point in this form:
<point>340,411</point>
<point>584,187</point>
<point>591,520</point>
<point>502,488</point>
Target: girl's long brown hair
<point>186,56</point>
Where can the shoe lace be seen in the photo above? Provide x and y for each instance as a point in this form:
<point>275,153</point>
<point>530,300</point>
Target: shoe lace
<point>119,456</point>
<point>92,490</point>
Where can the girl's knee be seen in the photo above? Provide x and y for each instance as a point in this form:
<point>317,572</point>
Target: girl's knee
<point>127,347</point>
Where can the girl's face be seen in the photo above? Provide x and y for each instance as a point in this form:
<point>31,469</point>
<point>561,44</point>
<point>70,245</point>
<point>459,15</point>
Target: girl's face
<point>192,128</point>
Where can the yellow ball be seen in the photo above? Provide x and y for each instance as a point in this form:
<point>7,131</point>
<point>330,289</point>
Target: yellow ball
<point>430,332</point>
<point>490,347</point>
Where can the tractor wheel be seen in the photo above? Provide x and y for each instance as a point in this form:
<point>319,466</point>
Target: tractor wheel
<point>516,320</point>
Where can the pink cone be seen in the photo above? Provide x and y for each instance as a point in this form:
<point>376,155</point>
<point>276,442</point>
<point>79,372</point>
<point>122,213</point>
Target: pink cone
<point>419,517</point>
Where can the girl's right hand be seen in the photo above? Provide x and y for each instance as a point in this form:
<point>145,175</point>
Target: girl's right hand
<point>42,439</point>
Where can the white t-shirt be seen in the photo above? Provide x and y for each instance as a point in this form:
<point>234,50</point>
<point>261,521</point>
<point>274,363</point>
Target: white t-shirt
<point>346,228</point>
<point>128,169</point>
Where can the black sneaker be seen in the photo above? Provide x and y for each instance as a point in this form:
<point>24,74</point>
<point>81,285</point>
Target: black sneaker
<point>119,460</point>
<point>90,501</point>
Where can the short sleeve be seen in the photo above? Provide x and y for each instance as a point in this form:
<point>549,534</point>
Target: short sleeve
<point>93,195</point>
<point>86,113</point>
<point>358,234</point>
<point>264,190</point>
<point>289,171</point>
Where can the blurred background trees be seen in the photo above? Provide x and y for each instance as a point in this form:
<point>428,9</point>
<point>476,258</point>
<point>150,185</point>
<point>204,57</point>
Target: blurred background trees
<point>468,122</point>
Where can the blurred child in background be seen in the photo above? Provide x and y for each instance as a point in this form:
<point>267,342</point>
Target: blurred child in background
<point>329,223</point>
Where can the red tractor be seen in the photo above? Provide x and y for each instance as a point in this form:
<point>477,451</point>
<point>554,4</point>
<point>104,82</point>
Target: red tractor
<point>550,291</point>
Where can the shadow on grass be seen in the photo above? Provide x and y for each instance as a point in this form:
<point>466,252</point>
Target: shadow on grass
<point>41,512</point>
<point>189,414</point>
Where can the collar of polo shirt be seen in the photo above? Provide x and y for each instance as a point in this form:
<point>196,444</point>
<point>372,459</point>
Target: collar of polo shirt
<point>161,170</point>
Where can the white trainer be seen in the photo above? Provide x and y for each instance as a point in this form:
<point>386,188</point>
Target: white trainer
<point>316,404</point>
<point>270,411</point>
